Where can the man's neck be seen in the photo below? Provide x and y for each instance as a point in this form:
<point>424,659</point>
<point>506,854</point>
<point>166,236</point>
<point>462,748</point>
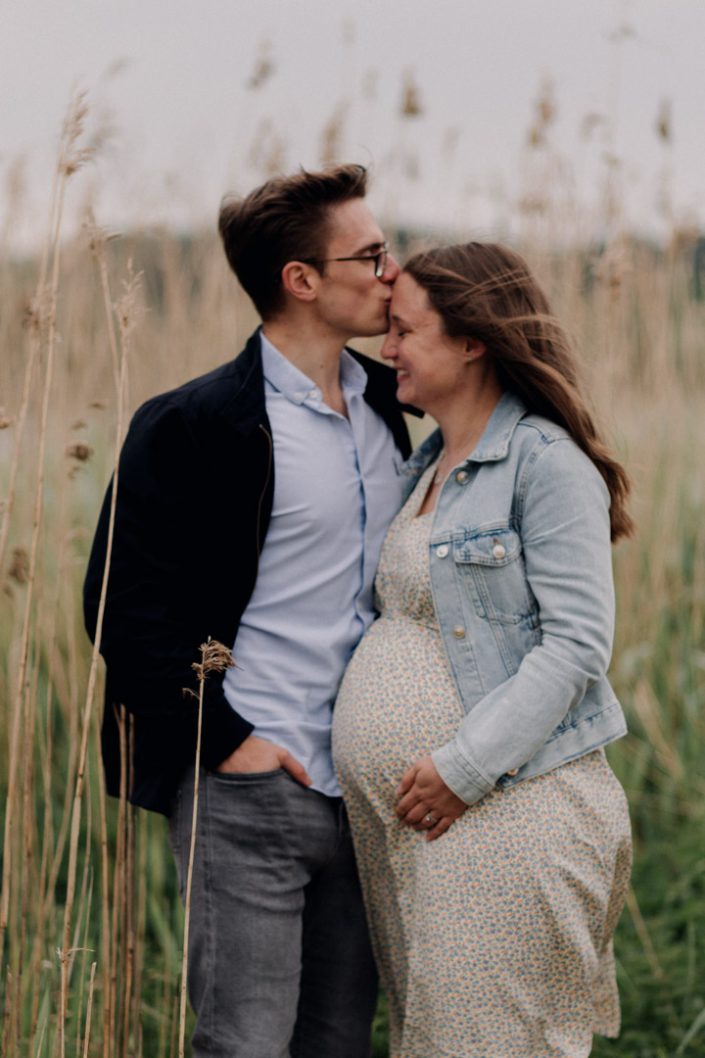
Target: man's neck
<point>316,354</point>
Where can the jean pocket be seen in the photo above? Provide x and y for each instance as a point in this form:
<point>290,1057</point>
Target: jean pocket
<point>234,778</point>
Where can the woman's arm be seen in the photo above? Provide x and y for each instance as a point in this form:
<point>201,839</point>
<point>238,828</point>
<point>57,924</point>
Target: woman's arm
<point>565,528</point>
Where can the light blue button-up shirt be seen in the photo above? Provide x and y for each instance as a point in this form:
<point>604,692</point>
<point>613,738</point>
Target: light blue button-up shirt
<point>336,488</point>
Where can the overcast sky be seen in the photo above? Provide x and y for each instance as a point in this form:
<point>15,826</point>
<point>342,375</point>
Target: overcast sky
<point>205,96</point>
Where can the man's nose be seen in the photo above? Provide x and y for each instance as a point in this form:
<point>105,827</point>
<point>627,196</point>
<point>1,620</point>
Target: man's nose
<point>391,269</point>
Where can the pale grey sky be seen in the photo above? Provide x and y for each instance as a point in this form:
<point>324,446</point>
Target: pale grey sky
<point>188,124</point>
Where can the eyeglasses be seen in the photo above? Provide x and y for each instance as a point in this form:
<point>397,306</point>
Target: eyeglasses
<point>380,260</point>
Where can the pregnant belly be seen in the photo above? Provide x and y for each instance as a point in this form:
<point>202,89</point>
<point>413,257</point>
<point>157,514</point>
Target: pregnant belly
<point>396,703</point>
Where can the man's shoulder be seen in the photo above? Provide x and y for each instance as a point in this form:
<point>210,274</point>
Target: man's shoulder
<point>203,389</point>
<point>209,393</point>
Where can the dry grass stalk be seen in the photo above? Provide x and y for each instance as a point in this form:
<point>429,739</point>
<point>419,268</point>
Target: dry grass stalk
<point>105,935</point>
<point>140,929</point>
<point>42,888</point>
<point>85,950</point>
<point>648,710</point>
<point>27,879</point>
<point>111,1013</point>
<point>27,390</point>
<point>128,920</point>
<point>35,325</point>
<point>214,658</point>
<point>126,320</point>
<point>89,1012</point>
<point>48,634</point>
<point>118,316</point>
<point>69,152</point>
<point>644,936</point>
<point>97,240</point>
<point>7,1043</point>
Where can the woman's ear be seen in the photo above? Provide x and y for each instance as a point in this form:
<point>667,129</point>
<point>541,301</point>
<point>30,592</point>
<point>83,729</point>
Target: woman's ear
<point>300,280</point>
<point>474,349</point>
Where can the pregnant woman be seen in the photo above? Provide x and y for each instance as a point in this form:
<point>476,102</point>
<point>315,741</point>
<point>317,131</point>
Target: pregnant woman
<point>492,836</point>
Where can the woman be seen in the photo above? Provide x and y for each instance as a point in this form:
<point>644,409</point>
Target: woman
<point>476,708</point>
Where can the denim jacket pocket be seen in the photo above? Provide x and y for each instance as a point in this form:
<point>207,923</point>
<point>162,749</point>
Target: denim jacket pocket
<point>490,562</point>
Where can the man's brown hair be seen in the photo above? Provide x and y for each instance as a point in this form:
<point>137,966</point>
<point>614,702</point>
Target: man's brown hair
<point>286,219</point>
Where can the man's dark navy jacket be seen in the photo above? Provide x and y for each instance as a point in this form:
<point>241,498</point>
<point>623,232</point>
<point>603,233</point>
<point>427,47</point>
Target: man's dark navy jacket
<point>194,499</point>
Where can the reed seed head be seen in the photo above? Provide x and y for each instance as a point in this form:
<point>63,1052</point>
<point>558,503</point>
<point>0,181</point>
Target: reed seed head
<point>264,68</point>
<point>664,122</point>
<point>73,157</point>
<point>410,99</point>
<point>19,565</point>
<point>215,657</point>
<point>79,451</point>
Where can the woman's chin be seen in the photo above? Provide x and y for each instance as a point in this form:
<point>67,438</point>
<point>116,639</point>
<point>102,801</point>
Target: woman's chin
<point>407,395</point>
<point>405,392</point>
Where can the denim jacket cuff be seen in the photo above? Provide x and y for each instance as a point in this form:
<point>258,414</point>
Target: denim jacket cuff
<point>459,774</point>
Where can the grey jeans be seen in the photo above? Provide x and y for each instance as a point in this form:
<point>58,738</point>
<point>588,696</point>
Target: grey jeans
<point>279,955</point>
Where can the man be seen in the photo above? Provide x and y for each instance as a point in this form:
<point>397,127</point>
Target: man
<point>251,507</point>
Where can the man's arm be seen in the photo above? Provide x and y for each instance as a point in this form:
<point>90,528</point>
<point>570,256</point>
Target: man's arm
<point>156,607</point>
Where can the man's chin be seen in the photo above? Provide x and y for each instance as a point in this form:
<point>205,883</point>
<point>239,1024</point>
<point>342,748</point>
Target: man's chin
<point>379,327</point>
<point>369,333</point>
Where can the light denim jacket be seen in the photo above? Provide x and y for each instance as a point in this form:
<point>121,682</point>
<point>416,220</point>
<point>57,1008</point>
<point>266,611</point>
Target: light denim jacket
<point>521,575</point>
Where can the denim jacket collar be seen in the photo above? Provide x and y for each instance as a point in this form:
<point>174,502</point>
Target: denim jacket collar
<point>492,446</point>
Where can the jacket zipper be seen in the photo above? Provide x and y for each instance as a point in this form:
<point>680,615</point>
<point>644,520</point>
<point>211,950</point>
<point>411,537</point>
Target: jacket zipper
<point>270,447</point>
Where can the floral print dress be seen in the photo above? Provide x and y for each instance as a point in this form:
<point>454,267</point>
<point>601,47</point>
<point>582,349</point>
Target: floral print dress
<point>494,941</point>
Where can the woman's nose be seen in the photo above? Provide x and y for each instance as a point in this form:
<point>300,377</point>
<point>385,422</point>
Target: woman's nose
<point>389,347</point>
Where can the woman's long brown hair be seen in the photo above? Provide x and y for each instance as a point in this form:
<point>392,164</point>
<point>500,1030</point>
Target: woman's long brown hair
<point>486,291</point>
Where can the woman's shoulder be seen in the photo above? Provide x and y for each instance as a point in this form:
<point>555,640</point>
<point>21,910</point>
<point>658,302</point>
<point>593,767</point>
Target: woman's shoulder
<point>535,429</point>
<point>535,437</point>
<point>548,458</point>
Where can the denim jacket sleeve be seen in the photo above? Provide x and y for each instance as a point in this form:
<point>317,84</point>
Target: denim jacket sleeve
<point>563,507</point>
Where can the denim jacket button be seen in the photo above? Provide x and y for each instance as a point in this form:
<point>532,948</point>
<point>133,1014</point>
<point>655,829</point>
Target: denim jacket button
<point>462,476</point>
<point>513,772</point>
<point>499,550</point>
<point>442,551</point>
<point>459,632</point>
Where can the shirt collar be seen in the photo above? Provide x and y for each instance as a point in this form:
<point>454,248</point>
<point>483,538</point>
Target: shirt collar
<point>281,373</point>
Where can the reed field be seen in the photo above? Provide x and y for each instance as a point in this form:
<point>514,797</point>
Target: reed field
<point>91,927</point>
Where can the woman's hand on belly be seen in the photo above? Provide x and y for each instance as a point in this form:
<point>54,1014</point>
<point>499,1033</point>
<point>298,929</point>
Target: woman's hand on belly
<point>425,802</point>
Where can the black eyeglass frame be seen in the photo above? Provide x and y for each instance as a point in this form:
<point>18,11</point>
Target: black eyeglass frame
<point>380,260</point>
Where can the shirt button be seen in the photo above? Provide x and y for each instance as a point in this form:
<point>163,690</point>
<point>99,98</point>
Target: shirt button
<point>462,476</point>
<point>513,772</point>
<point>442,551</point>
<point>499,550</point>
<point>459,632</point>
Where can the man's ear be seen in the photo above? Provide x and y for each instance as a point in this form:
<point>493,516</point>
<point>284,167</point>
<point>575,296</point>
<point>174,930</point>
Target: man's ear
<point>300,280</point>
<point>474,349</point>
